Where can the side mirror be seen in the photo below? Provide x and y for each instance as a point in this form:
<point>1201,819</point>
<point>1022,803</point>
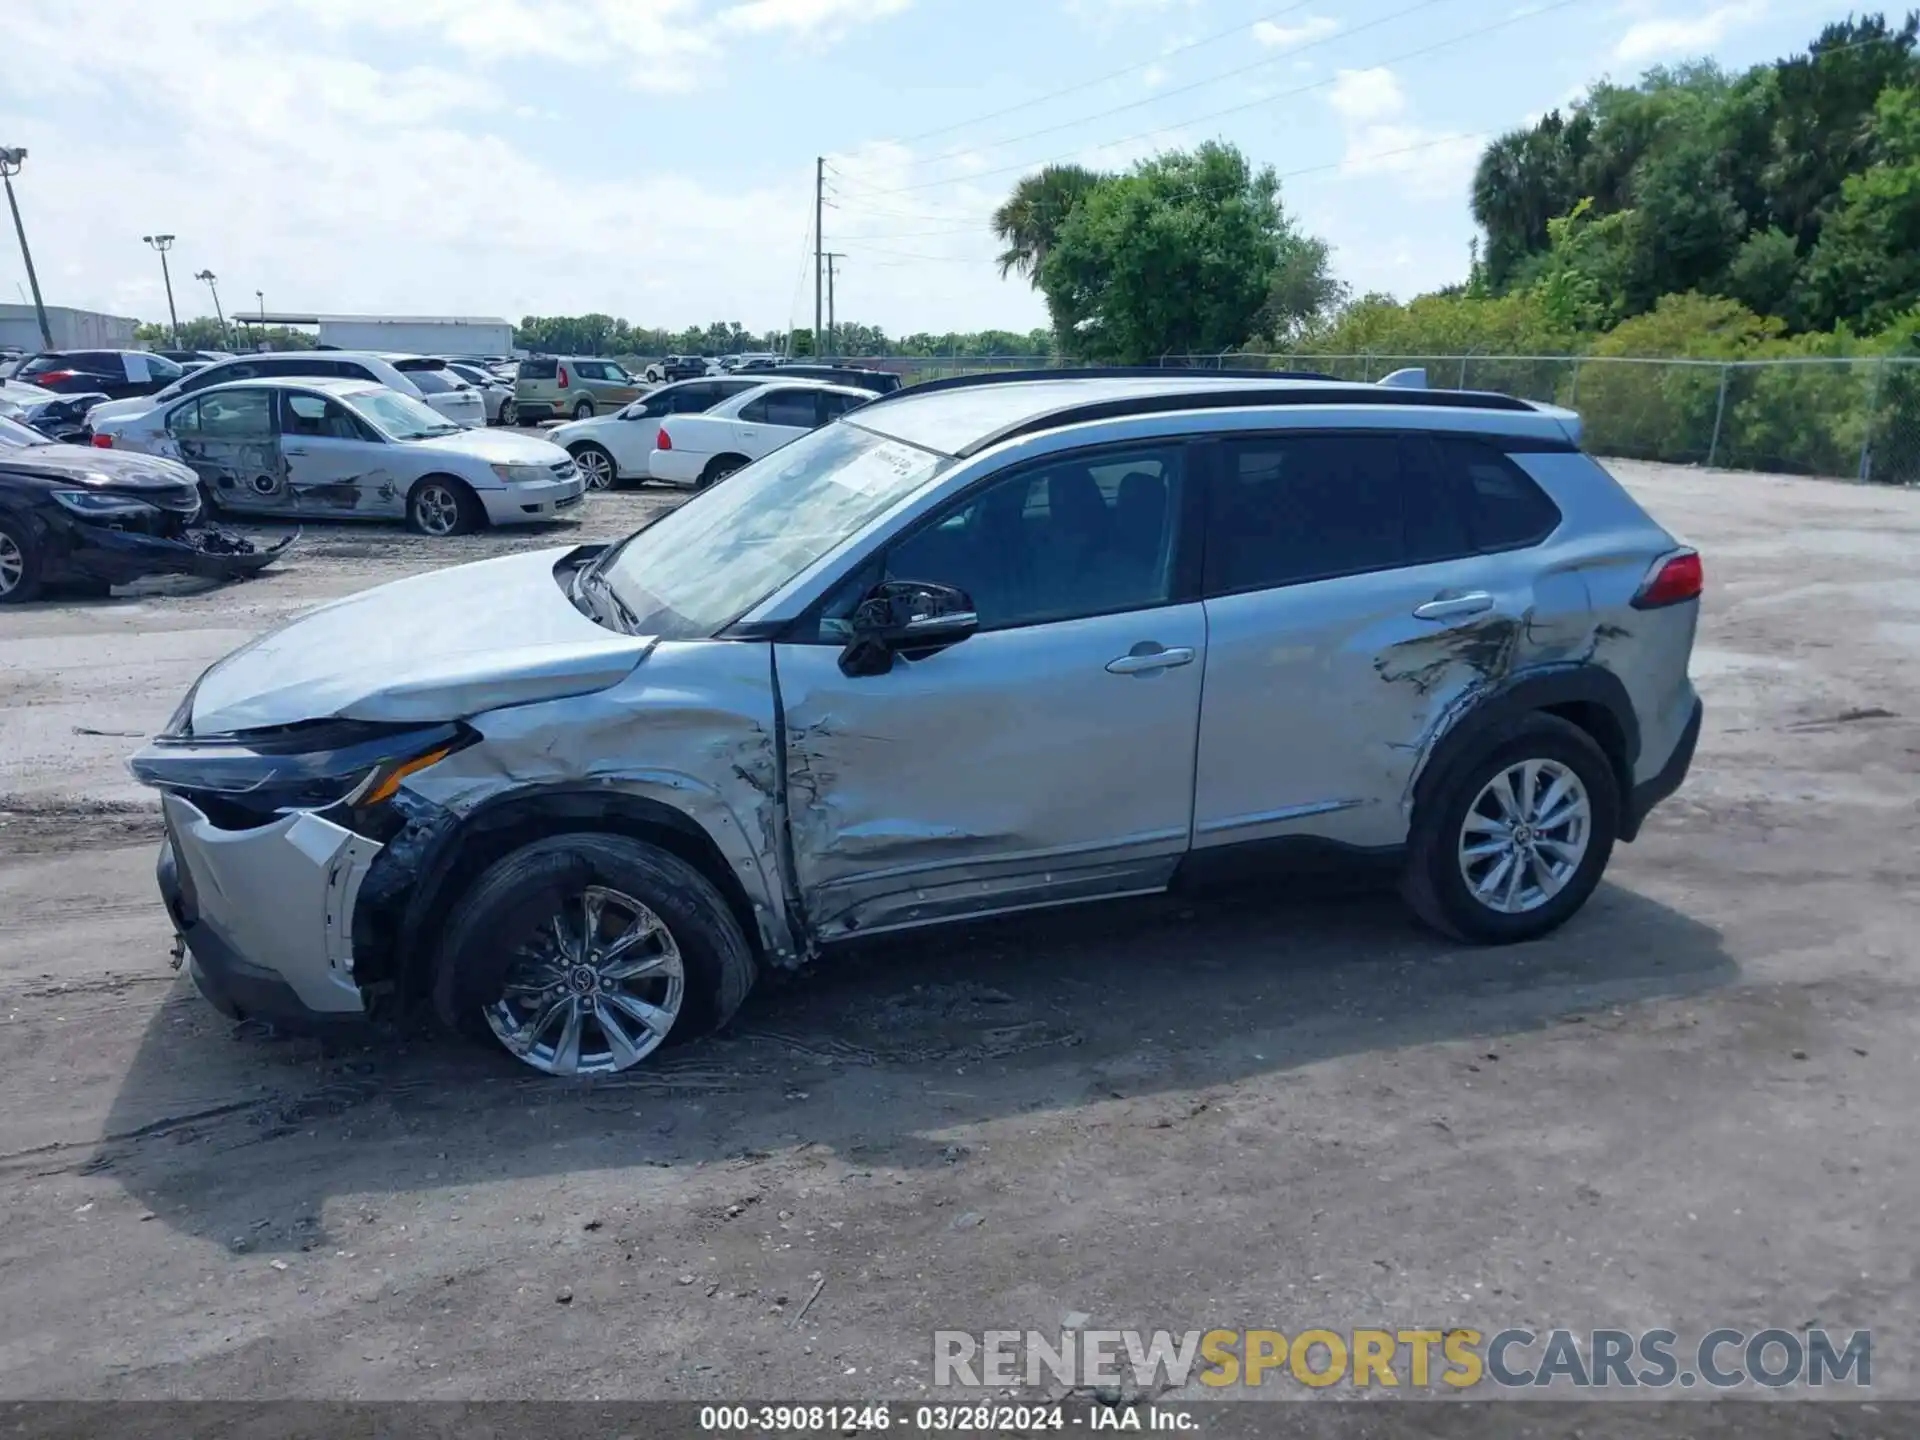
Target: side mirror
<point>906,617</point>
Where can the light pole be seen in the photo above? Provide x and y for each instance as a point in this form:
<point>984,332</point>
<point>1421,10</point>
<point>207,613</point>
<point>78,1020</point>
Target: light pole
<point>164,243</point>
<point>10,161</point>
<point>208,276</point>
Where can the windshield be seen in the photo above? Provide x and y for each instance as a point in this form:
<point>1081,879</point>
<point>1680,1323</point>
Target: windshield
<point>700,568</point>
<point>13,434</point>
<point>399,417</point>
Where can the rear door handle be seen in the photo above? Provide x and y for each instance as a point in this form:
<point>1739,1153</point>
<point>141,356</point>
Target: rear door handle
<point>293,450</point>
<point>1141,661</point>
<point>1452,607</point>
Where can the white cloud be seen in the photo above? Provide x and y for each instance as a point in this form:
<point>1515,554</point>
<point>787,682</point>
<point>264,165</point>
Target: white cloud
<point>1652,38</point>
<point>1280,37</point>
<point>1154,76</point>
<point>1367,94</point>
<point>805,17</point>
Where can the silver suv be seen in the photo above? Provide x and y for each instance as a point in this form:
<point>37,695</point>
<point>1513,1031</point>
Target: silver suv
<point>982,646</point>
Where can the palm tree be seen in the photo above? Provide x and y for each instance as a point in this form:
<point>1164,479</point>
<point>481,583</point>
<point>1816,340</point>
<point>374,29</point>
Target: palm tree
<point>1032,215</point>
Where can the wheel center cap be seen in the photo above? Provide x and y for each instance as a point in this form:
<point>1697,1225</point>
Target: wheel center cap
<point>584,979</point>
<point>1523,835</point>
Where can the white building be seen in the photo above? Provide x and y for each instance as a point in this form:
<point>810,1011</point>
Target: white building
<point>72,329</point>
<point>407,334</point>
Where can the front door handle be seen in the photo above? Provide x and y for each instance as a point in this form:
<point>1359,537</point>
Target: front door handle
<point>1453,607</point>
<point>293,449</point>
<point>1142,660</point>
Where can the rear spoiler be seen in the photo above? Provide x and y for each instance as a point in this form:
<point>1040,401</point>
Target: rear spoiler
<point>1414,377</point>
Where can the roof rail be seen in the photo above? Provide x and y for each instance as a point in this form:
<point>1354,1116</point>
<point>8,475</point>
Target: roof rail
<point>1095,372</point>
<point>1279,395</point>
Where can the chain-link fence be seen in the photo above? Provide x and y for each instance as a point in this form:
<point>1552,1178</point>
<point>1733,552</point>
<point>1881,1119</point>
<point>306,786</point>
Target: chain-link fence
<point>1856,419</point>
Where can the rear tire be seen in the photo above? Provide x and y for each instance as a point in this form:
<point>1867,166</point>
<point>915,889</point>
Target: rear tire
<point>509,412</point>
<point>583,410</point>
<point>719,468</point>
<point>494,975</point>
<point>441,506</point>
<point>19,564</point>
<point>1486,871</point>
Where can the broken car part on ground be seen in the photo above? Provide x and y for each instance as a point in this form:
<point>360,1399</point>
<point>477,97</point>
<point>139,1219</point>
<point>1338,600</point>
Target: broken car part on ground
<point>939,660</point>
<point>78,516</point>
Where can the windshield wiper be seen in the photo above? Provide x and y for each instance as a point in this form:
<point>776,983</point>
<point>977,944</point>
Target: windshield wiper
<point>596,588</point>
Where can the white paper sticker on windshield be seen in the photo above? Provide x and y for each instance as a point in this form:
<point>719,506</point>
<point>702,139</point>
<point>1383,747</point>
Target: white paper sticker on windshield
<point>138,371</point>
<point>881,468</point>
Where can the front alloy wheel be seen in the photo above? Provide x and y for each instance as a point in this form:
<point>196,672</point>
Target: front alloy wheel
<point>1524,836</point>
<point>596,467</point>
<point>595,991</point>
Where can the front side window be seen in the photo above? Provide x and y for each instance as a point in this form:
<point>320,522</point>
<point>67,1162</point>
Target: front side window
<point>693,399</point>
<point>236,415</point>
<point>1089,534</point>
<point>698,569</point>
<point>320,417</point>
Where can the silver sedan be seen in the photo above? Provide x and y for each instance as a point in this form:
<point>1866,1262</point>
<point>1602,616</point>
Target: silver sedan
<point>347,449</point>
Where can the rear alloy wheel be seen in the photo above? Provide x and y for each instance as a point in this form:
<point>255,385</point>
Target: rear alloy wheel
<point>596,467</point>
<point>509,412</point>
<point>1514,842</point>
<point>719,468</point>
<point>440,506</point>
<point>583,411</point>
<point>19,565</point>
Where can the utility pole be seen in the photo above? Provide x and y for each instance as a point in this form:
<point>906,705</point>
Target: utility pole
<point>208,276</point>
<point>164,243</point>
<point>830,256</point>
<point>819,239</point>
<point>10,162</point>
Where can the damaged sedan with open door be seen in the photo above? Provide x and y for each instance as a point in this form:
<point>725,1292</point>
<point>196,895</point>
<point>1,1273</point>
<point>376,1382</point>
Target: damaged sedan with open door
<point>86,519</point>
<point>940,659</point>
<point>350,449</point>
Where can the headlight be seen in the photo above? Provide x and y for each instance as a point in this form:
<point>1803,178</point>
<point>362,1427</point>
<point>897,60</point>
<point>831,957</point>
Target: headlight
<point>94,506</point>
<point>312,766</point>
<point>522,474</point>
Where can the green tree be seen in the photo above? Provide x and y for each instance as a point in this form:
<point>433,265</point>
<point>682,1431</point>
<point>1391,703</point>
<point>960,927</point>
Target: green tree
<point>1030,219</point>
<point>1176,256</point>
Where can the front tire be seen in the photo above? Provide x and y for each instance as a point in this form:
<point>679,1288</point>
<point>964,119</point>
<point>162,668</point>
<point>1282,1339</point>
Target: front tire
<point>583,954</point>
<point>19,564</point>
<point>596,467</point>
<point>441,506</point>
<point>1514,840</point>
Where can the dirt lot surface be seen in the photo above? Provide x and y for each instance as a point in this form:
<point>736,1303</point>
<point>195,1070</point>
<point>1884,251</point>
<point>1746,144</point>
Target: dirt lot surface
<point>1693,1107</point>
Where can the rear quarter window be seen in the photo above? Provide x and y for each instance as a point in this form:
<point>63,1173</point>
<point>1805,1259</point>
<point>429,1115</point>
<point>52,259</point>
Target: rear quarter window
<point>1505,509</point>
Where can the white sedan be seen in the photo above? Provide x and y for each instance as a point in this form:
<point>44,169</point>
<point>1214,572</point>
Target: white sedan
<point>696,450</point>
<point>349,449</point>
<point>614,447</point>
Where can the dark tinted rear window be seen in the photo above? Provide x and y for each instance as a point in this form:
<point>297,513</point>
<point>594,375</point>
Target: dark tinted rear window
<point>1502,505</point>
<point>539,369</point>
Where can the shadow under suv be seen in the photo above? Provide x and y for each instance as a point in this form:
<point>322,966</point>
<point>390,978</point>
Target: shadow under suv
<point>986,645</point>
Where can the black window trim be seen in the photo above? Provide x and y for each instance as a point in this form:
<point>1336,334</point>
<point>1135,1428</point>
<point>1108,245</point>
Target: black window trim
<point>1501,446</point>
<point>804,628</point>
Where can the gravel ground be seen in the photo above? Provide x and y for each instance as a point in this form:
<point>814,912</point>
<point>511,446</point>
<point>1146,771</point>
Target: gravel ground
<point>1690,1108</point>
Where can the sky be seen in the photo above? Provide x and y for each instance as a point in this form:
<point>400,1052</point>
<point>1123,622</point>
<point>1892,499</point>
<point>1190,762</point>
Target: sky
<point>655,159</point>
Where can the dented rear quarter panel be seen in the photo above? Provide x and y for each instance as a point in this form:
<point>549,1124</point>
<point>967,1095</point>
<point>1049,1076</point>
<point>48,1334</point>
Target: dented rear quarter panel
<point>692,728</point>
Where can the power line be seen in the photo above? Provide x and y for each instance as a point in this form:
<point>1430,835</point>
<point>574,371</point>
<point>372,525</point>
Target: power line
<point>1102,79</point>
<point>1159,96</point>
<point>1413,54</point>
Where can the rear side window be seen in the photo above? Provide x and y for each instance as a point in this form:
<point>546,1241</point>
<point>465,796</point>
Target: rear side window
<point>796,408</point>
<point>431,382</point>
<point>1288,509</point>
<point>236,415</point>
<point>1503,507</point>
<point>539,369</point>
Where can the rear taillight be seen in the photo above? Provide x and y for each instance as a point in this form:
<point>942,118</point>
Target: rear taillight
<point>103,442</point>
<point>52,377</point>
<point>1676,578</point>
<point>563,377</point>
<point>663,441</point>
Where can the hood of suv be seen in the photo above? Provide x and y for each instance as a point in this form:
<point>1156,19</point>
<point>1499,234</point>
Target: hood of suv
<point>445,645</point>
